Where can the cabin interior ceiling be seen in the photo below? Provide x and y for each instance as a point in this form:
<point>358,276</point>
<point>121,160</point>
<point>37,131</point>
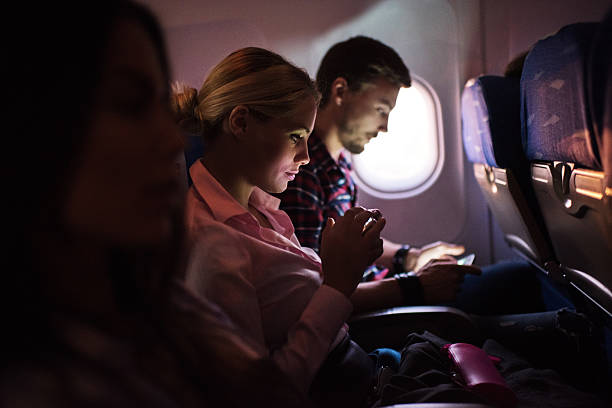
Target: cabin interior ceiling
<point>445,42</point>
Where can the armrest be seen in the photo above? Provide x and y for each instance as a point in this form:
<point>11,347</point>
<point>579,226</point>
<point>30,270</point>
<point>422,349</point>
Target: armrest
<point>439,405</point>
<point>389,327</point>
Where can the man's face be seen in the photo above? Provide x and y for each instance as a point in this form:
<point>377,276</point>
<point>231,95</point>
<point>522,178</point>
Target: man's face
<point>364,113</point>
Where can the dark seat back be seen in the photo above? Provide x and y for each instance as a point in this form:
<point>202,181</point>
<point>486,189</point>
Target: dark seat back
<point>490,110</point>
<point>194,149</point>
<point>599,90</point>
<point>566,165</point>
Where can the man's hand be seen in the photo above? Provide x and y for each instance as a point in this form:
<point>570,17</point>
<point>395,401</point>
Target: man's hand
<point>416,258</point>
<point>348,247</point>
<point>441,279</point>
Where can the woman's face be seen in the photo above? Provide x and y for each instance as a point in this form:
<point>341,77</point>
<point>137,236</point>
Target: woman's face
<point>278,147</point>
<point>126,187</point>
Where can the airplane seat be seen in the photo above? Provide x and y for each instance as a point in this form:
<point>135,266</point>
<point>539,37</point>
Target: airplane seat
<point>194,149</point>
<point>490,110</point>
<point>566,170</point>
<point>599,90</point>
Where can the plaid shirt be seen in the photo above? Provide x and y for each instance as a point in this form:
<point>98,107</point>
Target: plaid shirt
<point>323,188</point>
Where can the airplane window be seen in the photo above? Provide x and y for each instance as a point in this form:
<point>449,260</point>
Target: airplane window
<point>406,159</point>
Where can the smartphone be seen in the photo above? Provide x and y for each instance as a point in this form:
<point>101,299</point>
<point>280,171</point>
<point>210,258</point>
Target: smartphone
<point>368,224</point>
<point>371,221</point>
<point>466,260</point>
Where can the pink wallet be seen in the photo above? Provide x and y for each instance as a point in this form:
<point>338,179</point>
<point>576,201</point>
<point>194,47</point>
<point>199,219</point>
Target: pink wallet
<point>478,374</point>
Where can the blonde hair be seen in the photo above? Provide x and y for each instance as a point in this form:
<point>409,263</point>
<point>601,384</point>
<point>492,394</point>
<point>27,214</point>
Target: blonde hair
<point>262,80</point>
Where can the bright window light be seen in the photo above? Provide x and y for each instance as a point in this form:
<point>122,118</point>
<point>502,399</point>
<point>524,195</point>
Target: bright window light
<point>407,159</point>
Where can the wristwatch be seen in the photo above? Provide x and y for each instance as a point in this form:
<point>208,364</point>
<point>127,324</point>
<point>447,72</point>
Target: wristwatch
<point>399,258</point>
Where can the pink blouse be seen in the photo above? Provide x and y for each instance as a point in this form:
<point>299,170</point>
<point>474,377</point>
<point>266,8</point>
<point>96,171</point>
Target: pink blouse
<point>268,285</point>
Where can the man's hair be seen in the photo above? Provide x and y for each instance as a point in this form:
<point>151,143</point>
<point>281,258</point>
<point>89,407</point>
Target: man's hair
<point>514,69</point>
<point>360,60</point>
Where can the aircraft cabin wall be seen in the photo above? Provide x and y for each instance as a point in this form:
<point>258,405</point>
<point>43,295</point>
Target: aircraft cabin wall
<point>443,42</point>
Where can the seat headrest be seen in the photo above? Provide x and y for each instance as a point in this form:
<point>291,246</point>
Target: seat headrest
<point>194,149</point>
<point>490,111</point>
<point>555,112</point>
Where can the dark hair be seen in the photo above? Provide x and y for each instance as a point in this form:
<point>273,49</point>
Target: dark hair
<point>55,68</point>
<point>514,69</point>
<point>360,60</point>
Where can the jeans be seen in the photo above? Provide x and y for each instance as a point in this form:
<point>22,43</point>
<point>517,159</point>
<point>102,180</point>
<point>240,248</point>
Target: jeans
<point>507,287</point>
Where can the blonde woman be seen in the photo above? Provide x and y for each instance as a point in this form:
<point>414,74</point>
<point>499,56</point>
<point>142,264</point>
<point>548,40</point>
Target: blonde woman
<point>256,112</point>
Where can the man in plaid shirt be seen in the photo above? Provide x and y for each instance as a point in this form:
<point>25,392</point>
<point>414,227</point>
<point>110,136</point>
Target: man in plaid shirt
<point>358,92</point>
<point>359,80</point>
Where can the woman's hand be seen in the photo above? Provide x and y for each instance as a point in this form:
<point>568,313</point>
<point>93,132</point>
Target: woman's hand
<point>349,246</point>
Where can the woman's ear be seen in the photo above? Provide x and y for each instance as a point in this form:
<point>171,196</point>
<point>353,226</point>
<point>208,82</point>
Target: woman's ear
<point>339,90</point>
<point>238,120</point>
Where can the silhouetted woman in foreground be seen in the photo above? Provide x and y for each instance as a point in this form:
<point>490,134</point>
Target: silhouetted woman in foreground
<point>91,313</point>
